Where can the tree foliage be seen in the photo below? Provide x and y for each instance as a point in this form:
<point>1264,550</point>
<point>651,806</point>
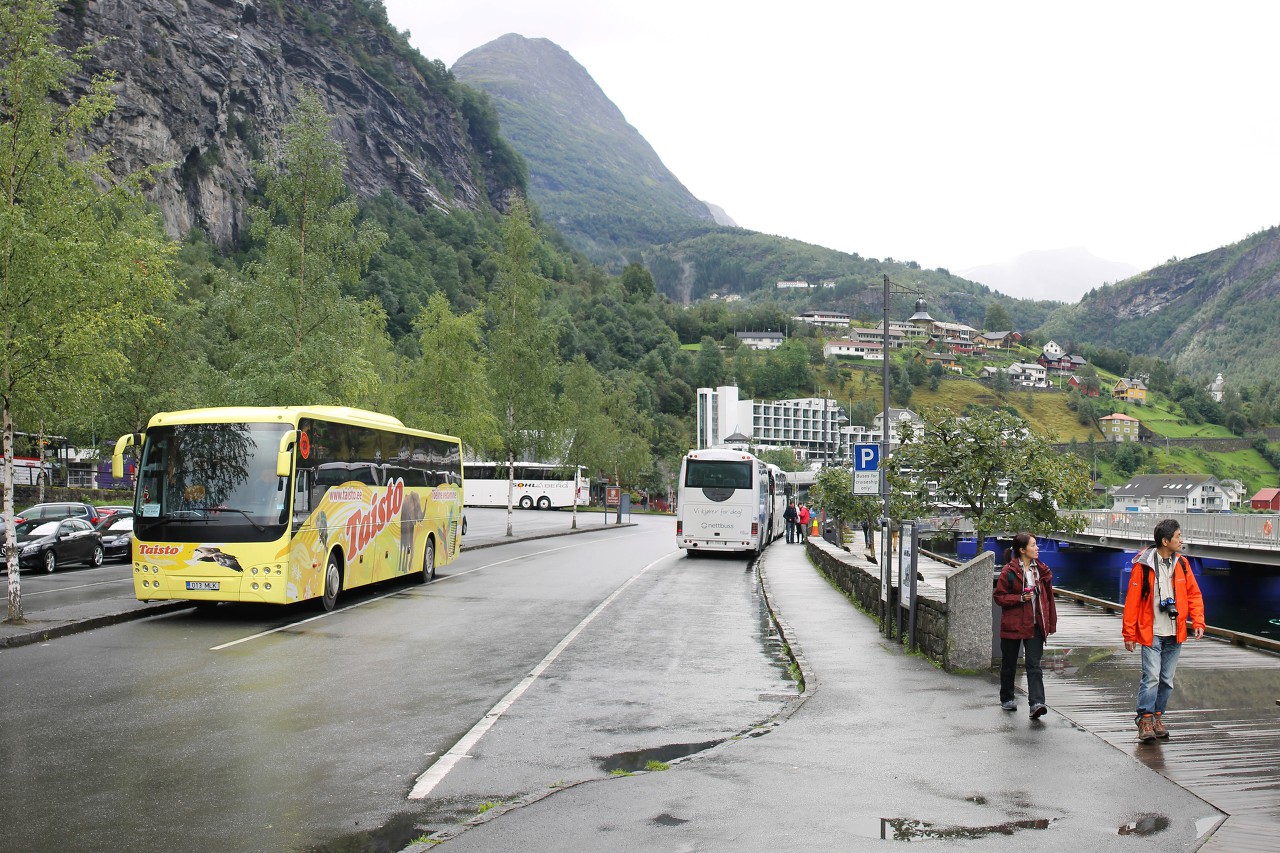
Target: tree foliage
<point>81,262</point>
<point>1000,474</point>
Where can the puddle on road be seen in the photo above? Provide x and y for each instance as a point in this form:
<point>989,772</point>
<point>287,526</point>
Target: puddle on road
<point>1146,825</point>
<point>906,829</point>
<point>639,759</point>
<point>667,820</point>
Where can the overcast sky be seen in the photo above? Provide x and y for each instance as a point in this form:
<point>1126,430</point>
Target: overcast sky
<point>953,134</point>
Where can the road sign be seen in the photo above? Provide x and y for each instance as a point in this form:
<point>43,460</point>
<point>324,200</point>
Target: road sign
<point>866,469</point>
<point>866,457</point>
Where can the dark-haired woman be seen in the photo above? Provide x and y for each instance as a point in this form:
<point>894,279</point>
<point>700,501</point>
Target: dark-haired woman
<point>1024,592</point>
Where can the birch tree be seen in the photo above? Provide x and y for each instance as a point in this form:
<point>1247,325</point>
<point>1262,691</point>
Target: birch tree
<point>81,262</point>
<point>523,361</point>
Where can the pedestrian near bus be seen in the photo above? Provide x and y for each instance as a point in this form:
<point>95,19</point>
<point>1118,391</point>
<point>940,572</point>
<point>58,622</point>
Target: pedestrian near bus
<point>790,516</point>
<point>1028,615</point>
<point>1163,594</point>
<point>803,515</point>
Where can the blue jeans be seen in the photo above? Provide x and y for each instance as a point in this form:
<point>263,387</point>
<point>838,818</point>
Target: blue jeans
<point>1159,660</point>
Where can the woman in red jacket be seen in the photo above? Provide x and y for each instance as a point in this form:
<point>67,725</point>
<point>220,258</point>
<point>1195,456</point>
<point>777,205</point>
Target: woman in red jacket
<point>1024,592</point>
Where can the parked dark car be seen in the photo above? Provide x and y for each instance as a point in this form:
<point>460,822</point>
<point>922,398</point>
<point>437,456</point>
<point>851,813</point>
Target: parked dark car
<point>51,511</point>
<point>117,535</point>
<point>49,544</point>
<point>110,510</point>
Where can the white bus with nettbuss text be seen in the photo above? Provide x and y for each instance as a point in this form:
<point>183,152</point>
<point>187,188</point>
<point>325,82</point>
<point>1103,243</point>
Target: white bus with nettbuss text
<point>725,502</point>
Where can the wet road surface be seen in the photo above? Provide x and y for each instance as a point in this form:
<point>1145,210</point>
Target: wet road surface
<point>199,729</point>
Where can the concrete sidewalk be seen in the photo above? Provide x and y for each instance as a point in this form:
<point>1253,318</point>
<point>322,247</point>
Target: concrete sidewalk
<point>882,745</point>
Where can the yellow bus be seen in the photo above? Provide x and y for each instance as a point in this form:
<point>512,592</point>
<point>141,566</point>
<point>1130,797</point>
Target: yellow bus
<point>284,504</point>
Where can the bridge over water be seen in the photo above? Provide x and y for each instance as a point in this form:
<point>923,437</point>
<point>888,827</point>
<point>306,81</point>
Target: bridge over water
<point>1246,538</point>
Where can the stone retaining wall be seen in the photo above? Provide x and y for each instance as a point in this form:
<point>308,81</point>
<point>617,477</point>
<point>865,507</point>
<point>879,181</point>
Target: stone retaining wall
<point>956,632</point>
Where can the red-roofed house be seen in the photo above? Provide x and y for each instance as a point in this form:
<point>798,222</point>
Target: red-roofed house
<point>1266,499</point>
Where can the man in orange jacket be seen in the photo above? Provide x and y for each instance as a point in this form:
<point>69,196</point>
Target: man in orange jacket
<point>1163,595</point>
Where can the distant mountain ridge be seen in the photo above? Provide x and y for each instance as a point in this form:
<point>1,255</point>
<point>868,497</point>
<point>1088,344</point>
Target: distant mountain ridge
<point>1213,313</point>
<point>591,173</point>
<point>1065,275</point>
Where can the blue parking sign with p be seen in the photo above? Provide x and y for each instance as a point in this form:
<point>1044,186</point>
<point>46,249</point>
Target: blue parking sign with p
<point>866,457</point>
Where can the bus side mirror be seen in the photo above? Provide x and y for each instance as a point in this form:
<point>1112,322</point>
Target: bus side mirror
<point>284,454</point>
<point>117,456</point>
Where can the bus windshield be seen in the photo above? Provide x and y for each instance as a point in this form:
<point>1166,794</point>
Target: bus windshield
<point>212,481</point>
<point>713,474</point>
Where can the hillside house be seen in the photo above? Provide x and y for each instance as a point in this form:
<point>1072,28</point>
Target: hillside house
<point>1118,427</point>
<point>959,346</point>
<point>1000,340</point>
<point>848,348</point>
<point>897,337</point>
<point>1170,493</point>
<point>761,340</point>
<point>1132,390</point>
<point>793,285</point>
<point>1084,388</point>
<point>832,319</point>
<point>1027,375</point>
<point>1061,364</point>
<point>1266,499</point>
<point>947,360</point>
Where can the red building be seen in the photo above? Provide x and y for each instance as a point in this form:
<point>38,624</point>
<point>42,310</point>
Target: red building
<point>1266,499</point>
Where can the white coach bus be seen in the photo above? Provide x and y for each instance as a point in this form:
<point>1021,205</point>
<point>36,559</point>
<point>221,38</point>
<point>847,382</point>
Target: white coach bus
<point>725,502</point>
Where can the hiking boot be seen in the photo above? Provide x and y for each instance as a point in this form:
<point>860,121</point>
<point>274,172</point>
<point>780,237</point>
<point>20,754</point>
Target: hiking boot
<point>1009,705</point>
<point>1157,726</point>
<point>1146,727</point>
<point>1038,710</point>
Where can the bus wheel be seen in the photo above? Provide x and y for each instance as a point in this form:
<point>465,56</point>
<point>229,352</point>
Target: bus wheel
<point>332,583</point>
<point>544,502</point>
<point>526,502</point>
<point>429,561</point>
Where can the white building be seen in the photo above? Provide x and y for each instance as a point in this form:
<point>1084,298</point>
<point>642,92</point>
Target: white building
<point>809,425</point>
<point>869,350</point>
<point>790,285</point>
<point>824,318</point>
<point>873,434</point>
<point>897,337</point>
<point>761,340</point>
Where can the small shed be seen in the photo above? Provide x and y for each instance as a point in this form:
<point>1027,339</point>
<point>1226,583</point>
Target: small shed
<point>1266,499</point>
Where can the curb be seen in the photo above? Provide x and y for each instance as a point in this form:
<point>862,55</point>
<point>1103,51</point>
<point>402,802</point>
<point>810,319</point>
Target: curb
<point>66,629</point>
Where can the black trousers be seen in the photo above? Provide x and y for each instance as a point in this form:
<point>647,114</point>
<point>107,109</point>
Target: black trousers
<point>1033,650</point>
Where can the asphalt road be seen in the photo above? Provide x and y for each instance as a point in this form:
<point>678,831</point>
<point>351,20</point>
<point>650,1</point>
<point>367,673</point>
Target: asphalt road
<point>246,729</point>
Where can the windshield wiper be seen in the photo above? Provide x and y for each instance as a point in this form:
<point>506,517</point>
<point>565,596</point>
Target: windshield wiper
<point>243,512</point>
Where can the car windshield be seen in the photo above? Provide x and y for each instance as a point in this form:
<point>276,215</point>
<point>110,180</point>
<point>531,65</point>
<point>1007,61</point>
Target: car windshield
<point>212,482</point>
<point>124,525</point>
<point>36,528</point>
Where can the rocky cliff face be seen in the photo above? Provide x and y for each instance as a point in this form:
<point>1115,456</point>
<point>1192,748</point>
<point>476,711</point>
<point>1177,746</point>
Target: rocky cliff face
<point>208,85</point>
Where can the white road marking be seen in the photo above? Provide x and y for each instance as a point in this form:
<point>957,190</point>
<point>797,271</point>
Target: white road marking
<point>81,586</point>
<point>291,625</point>
<point>435,774</point>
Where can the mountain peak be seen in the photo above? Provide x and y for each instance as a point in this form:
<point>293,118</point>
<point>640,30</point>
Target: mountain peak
<point>590,171</point>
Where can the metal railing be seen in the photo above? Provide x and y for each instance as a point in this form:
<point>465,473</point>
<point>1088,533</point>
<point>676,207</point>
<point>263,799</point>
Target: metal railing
<point>1222,530</point>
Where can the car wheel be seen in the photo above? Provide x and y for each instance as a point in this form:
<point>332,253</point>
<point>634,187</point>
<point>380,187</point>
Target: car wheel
<point>50,561</point>
<point>332,583</point>
<point>544,502</point>
<point>98,556</point>
<point>526,502</point>
<point>429,561</point>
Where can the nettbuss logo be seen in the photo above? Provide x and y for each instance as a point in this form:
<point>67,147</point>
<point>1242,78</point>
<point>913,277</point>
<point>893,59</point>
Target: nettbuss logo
<point>158,550</point>
<point>365,525</point>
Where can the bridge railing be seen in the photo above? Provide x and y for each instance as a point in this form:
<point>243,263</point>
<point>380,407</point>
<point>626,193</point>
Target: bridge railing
<point>1225,530</point>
